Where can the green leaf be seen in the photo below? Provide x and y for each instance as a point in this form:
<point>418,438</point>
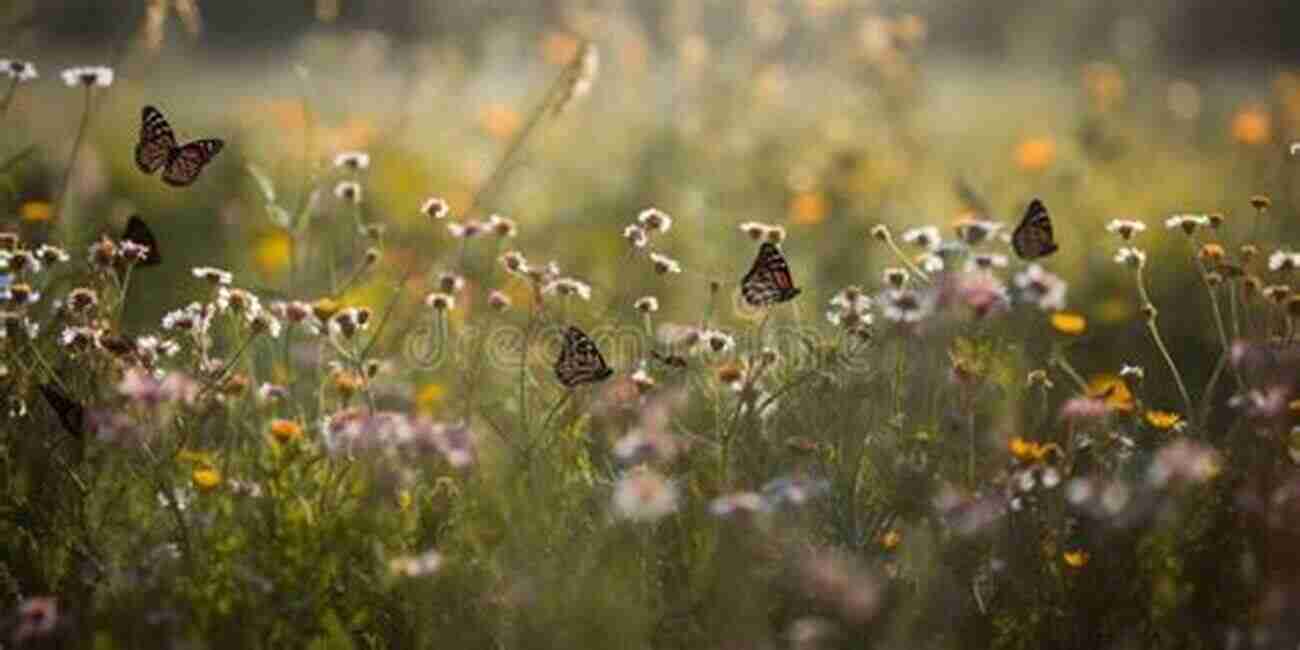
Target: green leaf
<point>264,183</point>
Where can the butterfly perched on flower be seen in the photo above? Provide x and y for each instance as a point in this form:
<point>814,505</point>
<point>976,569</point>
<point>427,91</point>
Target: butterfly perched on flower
<point>138,232</point>
<point>768,281</point>
<point>158,149</point>
<point>72,415</point>
<point>1033,238</point>
<point>579,361</point>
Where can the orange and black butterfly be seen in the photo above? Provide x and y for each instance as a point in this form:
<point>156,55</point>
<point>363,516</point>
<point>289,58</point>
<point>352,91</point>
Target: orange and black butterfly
<point>579,361</point>
<point>72,415</point>
<point>768,281</point>
<point>1033,238</point>
<point>158,150</point>
<point>137,232</point>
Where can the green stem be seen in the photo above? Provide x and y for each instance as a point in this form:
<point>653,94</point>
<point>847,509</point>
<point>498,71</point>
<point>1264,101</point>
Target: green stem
<point>9,96</point>
<point>76,149</point>
<point>1154,329</point>
<point>902,257</point>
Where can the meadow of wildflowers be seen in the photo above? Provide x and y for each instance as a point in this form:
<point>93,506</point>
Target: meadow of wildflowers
<point>498,349</point>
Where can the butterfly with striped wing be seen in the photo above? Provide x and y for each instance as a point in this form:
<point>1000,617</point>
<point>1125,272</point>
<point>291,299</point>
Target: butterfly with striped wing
<point>158,149</point>
<point>580,362</point>
<point>768,281</point>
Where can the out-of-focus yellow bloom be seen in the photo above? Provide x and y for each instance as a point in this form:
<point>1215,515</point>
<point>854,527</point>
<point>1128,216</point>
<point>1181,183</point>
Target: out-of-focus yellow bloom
<point>1113,310</point>
<point>206,479</point>
<point>285,430</point>
<point>1075,559</point>
<point>1163,420</point>
<point>36,211</point>
<point>1252,125</point>
<point>404,500</point>
<point>324,308</point>
<point>499,121</point>
<point>271,252</point>
<point>808,208</point>
<point>1104,83</point>
<point>1035,154</point>
<point>1069,323</point>
<point>430,395</point>
<point>1026,450</point>
<point>891,540</point>
<point>288,114</point>
<point>1113,390</point>
<point>354,134</point>
<point>347,382</point>
<point>559,48</point>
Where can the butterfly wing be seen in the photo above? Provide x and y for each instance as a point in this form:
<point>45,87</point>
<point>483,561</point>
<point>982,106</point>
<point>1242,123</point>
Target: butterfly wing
<point>1033,238</point>
<point>138,232</point>
<point>71,414</point>
<point>185,163</point>
<point>580,362</point>
<point>157,141</point>
<point>768,281</point>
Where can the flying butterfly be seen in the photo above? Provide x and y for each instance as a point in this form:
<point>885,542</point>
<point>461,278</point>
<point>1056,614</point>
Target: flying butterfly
<point>1033,238</point>
<point>579,361</point>
<point>768,281</point>
<point>72,415</point>
<point>158,149</point>
<point>137,232</point>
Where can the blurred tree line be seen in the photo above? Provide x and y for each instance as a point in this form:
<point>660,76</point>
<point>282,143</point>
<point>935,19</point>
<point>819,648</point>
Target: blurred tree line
<point>1187,31</point>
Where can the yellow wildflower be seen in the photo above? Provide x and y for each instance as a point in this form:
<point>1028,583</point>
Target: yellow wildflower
<point>285,431</point>
<point>271,252</point>
<point>1163,420</point>
<point>1252,125</point>
<point>1069,323</point>
<point>206,478</point>
<point>429,396</point>
<point>1113,390</point>
<point>36,211</point>
<point>325,308</point>
<point>1035,154</point>
<point>1076,559</point>
<point>1024,450</point>
<point>808,208</point>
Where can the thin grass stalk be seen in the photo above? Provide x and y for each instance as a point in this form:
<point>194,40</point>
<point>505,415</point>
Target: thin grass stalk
<point>76,150</point>
<point>1149,309</point>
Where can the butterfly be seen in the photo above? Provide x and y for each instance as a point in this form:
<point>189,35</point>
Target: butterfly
<point>71,414</point>
<point>137,232</point>
<point>768,281</point>
<point>158,150</point>
<point>579,361</point>
<point>1032,239</point>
